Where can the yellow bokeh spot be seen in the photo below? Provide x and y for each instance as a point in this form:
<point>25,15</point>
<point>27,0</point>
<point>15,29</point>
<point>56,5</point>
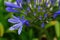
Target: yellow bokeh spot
<point>53,22</point>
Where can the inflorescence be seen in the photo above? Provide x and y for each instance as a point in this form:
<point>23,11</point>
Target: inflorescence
<point>33,9</point>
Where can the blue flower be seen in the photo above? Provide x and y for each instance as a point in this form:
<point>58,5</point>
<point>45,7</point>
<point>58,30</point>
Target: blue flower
<point>28,9</point>
<point>42,25</point>
<point>19,3</point>
<point>34,1</point>
<point>39,8</point>
<point>34,13</point>
<point>28,1</point>
<point>34,5</point>
<point>42,19</point>
<point>56,14</point>
<point>45,16</point>
<point>47,4</point>
<point>53,2</point>
<point>12,6</point>
<point>18,23</point>
<point>9,9</point>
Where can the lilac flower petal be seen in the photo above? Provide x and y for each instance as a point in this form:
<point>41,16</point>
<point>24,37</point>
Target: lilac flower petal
<point>38,8</point>
<point>14,27</point>
<point>28,1</point>
<point>27,23</point>
<point>23,17</point>
<point>25,13</point>
<point>43,10</point>
<point>18,23</point>
<point>52,2</point>
<point>19,3</point>
<point>34,5</point>
<point>35,1</point>
<point>13,20</point>
<point>34,13</point>
<point>45,16</point>
<point>11,5</point>
<point>42,25</point>
<point>47,4</point>
<point>23,21</point>
<point>28,9</point>
<point>56,14</point>
<point>16,18</point>
<point>11,9</point>
<point>40,17</point>
<point>20,29</point>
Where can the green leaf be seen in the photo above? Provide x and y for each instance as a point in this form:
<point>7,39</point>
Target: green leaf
<point>1,3</point>
<point>58,38</point>
<point>30,34</point>
<point>50,24</point>
<point>1,29</point>
<point>57,28</point>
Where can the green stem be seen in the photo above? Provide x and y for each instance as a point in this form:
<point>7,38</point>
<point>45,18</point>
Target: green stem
<point>47,35</point>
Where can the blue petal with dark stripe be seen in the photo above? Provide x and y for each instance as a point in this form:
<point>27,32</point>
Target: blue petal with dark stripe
<point>56,14</point>
<point>19,3</point>
<point>11,5</point>
<point>11,9</point>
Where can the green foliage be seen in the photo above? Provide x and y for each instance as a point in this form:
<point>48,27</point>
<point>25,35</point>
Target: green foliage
<point>57,28</point>
<point>1,30</point>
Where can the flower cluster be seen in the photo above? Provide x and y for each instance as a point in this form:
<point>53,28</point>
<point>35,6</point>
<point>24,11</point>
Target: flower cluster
<point>39,9</point>
<point>19,22</point>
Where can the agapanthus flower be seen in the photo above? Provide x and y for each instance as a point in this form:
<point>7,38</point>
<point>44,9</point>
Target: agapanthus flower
<point>19,3</point>
<point>19,22</point>
<point>56,14</point>
<point>35,9</point>
<point>28,1</point>
<point>53,2</point>
<point>11,7</point>
<point>40,17</point>
<point>42,25</point>
<point>47,4</point>
<point>28,9</point>
<point>39,8</point>
<point>34,5</point>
